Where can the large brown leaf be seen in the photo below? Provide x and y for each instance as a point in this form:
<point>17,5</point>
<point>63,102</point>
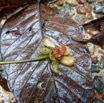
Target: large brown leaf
<point>21,38</point>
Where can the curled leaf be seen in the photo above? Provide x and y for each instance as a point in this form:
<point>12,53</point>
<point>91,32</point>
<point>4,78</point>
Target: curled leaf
<point>97,39</point>
<point>97,24</point>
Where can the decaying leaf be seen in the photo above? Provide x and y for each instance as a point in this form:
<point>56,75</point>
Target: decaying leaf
<point>97,24</point>
<point>98,39</point>
<point>21,38</point>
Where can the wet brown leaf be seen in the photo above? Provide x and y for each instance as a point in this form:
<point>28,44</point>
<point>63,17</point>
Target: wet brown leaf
<point>22,37</point>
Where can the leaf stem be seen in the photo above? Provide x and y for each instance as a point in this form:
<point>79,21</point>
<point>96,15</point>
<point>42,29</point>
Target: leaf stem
<point>26,60</point>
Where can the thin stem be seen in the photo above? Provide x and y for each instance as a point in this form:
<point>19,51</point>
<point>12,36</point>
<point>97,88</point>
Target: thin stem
<point>23,61</point>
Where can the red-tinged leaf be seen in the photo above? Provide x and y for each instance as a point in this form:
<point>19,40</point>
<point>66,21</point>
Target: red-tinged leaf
<point>38,21</point>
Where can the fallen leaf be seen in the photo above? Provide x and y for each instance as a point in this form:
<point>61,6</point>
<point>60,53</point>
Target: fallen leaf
<point>97,39</point>
<point>97,24</point>
<point>31,26</point>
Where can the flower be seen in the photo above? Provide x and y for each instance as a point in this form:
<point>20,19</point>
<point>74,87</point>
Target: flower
<point>57,54</point>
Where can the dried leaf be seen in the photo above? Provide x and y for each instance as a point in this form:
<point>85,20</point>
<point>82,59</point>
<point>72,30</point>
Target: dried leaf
<point>97,24</point>
<point>97,39</point>
<point>70,85</point>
